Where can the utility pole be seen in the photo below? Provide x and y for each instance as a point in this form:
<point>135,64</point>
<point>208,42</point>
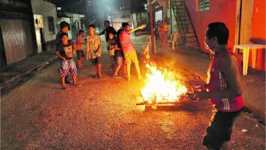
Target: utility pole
<point>151,27</point>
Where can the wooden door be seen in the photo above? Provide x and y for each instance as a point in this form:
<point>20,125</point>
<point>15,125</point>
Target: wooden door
<point>243,23</point>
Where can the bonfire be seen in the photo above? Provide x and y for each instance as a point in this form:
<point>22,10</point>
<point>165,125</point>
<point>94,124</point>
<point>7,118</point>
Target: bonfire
<point>162,86</point>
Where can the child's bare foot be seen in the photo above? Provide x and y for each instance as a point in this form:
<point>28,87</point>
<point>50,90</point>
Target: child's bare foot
<point>77,85</point>
<point>64,88</point>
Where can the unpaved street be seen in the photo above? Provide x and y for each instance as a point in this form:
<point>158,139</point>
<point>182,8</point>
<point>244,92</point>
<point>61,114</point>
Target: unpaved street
<point>102,114</point>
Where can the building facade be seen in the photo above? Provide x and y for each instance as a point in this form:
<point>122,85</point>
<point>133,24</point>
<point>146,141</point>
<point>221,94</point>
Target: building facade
<point>45,17</point>
<point>17,36</point>
<point>244,18</point>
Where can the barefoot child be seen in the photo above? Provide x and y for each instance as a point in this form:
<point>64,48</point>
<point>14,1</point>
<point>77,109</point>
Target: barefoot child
<point>80,52</point>
<point>94,50</point>
<point>65,52</point>
<point>222,88</point>
<point>111,47</point>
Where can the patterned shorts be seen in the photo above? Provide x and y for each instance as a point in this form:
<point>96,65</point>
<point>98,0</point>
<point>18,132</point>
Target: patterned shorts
<point>67,68</point>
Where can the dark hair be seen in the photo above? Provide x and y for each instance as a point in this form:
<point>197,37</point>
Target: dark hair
<point>93,26</point>
<point>63,34</point>
<point>63,24</point>
<point>219,30</point>
<point>107,21</point>
<point>81,31</point>
<point>124,24</point>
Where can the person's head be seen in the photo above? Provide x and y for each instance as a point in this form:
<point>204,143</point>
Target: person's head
<point>106,23</point>
<point>91,29</point>
<point>111,35</point>
<point>125,26</point>
<point>81,33</point>
<point>64,38</point>
<point>64,26</point>
<point>217,34</point>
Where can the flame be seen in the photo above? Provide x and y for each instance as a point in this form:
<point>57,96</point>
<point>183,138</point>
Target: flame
<point>162,85</point>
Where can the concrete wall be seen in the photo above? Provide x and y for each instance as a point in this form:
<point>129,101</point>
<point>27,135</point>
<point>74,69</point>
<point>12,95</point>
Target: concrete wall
<point>225,11</point>
<point>46,9</point>
<point>258,31</point>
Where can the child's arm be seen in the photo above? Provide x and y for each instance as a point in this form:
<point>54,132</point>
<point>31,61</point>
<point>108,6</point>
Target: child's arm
<point>117,48</point>
<point>61,57</point>
<point>87,49</point>
<point>99,46</point>
<point>138,28</point>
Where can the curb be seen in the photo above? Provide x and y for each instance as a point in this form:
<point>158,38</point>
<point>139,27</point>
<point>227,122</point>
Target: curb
<point>4,86</point>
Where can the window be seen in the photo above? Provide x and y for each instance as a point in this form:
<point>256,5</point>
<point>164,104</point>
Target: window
<point>51,24</point>
<point>203,5</point>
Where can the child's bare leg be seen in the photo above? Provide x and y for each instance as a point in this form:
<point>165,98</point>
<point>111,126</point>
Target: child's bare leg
<point>138,70</point>
<point>128,71</point>
<point>125,68</point>
<point>117,69</point>
<point>99,67</point>
<point>63,83</point>
<point>74,79</point>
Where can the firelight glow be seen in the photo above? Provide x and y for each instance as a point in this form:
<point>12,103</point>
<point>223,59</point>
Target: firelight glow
<point>162,86</point>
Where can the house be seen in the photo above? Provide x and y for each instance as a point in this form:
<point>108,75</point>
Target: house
<point>244,18</point>
<point>17,35</point>
<point>76,22</point>
<point>45,17</point>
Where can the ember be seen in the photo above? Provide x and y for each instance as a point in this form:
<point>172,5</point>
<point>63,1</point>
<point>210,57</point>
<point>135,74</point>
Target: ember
<point>162,86</point>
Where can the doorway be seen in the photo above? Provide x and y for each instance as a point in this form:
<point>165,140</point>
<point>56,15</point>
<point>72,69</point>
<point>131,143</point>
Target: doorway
<point>38,21</point>
<point>243,21</point>
<point>2,51</point>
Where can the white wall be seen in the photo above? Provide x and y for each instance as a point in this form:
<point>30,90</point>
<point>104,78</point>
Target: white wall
<point>45,9</point>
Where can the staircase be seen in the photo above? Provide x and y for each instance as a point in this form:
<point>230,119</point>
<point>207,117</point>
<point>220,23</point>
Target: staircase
<point>184,24</point>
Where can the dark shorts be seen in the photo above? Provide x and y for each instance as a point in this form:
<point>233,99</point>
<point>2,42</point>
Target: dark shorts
<point>220,129</point>
<point>96,61</point>
<point>80,54</point>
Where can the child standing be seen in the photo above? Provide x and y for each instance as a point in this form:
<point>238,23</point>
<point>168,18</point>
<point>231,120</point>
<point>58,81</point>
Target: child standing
<point>111,47</point>
<point>65,52</point>
<point>222,88</point>
<point>64,28</point>
<point>94,50</point>
<point>80,52</point>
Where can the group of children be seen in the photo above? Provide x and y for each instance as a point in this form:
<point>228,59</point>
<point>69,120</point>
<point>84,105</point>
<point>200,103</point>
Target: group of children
<point>222,89</point>
<point>119,46</point>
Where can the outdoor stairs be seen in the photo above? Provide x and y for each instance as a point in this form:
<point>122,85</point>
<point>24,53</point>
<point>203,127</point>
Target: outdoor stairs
<point>184,24</point>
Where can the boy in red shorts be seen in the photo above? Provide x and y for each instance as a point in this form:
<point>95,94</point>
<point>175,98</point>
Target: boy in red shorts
<point>222,89</point>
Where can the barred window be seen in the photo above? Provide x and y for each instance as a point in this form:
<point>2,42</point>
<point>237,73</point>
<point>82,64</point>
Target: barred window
<point>203,5</point>
<point>51,24</point>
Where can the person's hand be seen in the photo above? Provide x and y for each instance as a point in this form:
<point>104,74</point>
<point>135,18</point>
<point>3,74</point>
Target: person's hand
<point>142,26</point>
<point>203,95</point>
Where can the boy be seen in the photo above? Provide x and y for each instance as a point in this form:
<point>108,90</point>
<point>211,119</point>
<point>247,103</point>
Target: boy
<point>80,53</point>
<point>111,47</point>
<point>222,88</point>
<point>64,27</point>
<point>129,49</point>
<point>65,52</point>
<point>94,50</point>
<point>118,54</point>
